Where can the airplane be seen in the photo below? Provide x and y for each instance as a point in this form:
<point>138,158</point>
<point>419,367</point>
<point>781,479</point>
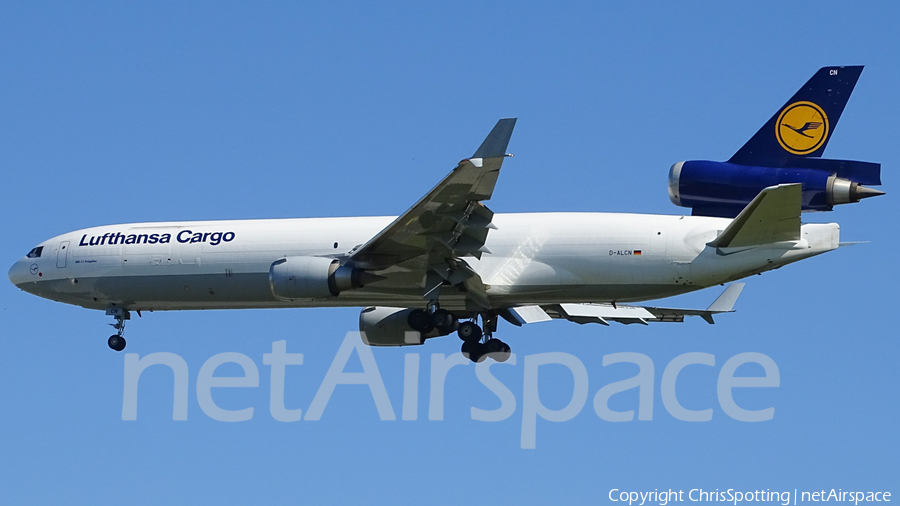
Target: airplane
<point>450,264</point>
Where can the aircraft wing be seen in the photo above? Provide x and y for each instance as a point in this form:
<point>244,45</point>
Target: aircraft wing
<point>448,223</point>
<point>621,313</point>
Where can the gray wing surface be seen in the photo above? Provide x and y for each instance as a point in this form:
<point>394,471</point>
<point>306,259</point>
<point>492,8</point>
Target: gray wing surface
<point>621,313</point>
<point>450,222</point>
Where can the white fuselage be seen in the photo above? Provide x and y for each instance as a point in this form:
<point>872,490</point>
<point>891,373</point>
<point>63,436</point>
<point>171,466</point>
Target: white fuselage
<point>534,258</point>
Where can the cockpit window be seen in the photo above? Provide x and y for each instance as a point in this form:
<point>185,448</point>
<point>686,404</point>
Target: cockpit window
<point>36,252</point>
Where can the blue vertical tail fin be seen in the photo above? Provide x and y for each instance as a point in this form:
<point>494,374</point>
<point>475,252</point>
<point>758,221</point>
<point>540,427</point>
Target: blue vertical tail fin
<point>803,126</point>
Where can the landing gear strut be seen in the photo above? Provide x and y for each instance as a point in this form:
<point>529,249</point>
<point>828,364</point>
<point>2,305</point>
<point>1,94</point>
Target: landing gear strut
<point>424,321</point>
<point>117,341</point>
<point>478,344</point>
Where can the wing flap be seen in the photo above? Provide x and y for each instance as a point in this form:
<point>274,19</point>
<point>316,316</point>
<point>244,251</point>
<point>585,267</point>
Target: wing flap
<point>529,314</point>
<point>625,314</point>
<point>606,311</point>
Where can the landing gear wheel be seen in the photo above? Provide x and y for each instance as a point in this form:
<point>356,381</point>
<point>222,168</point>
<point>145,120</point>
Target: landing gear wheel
<point>473,350</point>
<point>497,350</point>
<point>443,320</point>
<point>116,342</point>
<point>469,332</point>
<point>420,320</point>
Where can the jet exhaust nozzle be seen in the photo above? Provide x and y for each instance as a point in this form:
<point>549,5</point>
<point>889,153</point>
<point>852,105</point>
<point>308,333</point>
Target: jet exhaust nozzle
<point>860,192</point>
<point>843,191</point>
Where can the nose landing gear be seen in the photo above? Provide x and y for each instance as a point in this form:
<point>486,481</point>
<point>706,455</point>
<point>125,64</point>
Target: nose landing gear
<point>117,341</point>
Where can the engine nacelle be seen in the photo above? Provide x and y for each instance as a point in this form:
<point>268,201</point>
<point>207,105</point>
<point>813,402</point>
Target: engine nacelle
<point>293,278</point>
<point>723,188</point>
<point>387,326</point>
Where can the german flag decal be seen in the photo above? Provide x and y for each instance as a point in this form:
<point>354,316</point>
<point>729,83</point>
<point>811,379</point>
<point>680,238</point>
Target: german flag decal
<point>637,252</point>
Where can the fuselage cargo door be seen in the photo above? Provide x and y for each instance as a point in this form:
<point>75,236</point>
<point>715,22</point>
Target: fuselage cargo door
<point>63,254</point>
<point>683,273</point>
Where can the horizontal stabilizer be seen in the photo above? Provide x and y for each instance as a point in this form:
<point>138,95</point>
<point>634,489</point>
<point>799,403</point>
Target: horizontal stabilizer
<point>773,216</point>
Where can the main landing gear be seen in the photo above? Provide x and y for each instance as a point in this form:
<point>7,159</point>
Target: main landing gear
<point>478,344</point>
<point>425,322</point>
<point>117,341</point>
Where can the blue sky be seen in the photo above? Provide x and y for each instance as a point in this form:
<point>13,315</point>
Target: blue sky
<point>118,113</point>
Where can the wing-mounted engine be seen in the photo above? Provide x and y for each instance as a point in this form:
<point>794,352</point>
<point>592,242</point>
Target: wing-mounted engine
<point>301,278</point>
<point>395,326</point>
<point>388,326</point>
<point>786,150</point>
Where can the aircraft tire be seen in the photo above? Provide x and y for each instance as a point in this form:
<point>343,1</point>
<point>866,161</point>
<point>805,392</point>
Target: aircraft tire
<point>473,350</point>
<point>497,350</point>
<point>116,342</point>
<point>419,320</point>
<point>469,332</point>
<point>443,320</point>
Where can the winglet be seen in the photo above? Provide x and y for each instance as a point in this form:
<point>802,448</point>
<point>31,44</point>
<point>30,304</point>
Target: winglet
<point>497,141</point>
<point>725,302</point>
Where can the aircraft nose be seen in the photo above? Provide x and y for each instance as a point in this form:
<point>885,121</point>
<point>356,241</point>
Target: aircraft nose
<point>19,273</point>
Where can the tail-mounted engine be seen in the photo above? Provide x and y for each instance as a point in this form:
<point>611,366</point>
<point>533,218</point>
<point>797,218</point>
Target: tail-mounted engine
<point>787,149</point>
<point>723,188</point>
